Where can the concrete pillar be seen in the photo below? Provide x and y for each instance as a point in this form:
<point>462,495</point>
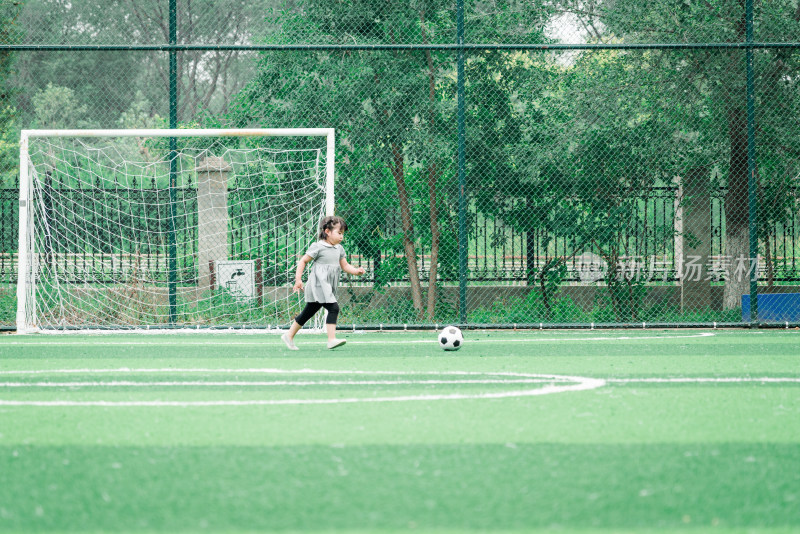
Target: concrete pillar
<point>212,215</point>
<point>693,226</point>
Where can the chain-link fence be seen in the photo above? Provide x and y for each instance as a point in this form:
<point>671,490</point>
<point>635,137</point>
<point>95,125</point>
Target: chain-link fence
<point>568,162</point>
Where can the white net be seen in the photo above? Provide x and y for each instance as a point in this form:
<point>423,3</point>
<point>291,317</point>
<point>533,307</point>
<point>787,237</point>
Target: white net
<point>133,232</point>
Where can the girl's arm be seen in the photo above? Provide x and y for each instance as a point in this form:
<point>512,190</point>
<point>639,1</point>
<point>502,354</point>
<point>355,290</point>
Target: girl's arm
<point>298,275</point>
<point>349,269</point>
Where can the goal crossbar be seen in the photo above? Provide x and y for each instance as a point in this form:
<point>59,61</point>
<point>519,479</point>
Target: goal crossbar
<point>185,132</point>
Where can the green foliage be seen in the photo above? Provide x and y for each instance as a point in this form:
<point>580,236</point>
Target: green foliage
<point>9,34</point>
<point>140,115</point>
<point>549,279</point>
<point>530,310</point>
<point>394,113</point>
<point>392,267</point>
<point>121,304</point>
<point>221,308</point>
<point>605,309</point>
<point>625,296</point>
<point>401,311</point>
<point>9,146</point>
<point>129,304</point>
<point>8,305</point>
<point>110,82</point>
<point>134,304</point>
<point>705,315</point>
<point>56,107</point>
<point>778,203</point>
<point>702,112</point>
<point>563,147</point>
<point>511,310</point>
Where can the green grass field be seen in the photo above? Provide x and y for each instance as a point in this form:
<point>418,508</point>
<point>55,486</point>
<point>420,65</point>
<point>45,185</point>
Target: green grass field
<point>562,431</point>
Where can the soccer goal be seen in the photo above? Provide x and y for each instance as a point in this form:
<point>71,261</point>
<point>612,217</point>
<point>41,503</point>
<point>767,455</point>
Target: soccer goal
<point>167,229</point>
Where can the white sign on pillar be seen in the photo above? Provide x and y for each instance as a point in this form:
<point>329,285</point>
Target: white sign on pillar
<point>237,277</point>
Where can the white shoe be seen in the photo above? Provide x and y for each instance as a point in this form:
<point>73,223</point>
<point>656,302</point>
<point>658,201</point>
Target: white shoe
<point>336,343</point>
<point>289,342</point>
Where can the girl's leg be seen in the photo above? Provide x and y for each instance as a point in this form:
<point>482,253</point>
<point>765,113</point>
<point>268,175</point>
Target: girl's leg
<point>330,325</point>
<point>330,329</point>
<point>294,329</point>
<point>307,313</point>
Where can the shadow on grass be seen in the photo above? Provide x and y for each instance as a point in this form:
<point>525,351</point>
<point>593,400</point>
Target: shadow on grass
<point>462,487</point>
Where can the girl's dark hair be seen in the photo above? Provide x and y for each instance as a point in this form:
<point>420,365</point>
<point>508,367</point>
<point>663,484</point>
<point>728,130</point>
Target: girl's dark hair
<point>329,223</point>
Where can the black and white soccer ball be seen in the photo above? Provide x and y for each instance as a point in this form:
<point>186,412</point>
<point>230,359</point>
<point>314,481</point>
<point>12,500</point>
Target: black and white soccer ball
<point>451,338</point>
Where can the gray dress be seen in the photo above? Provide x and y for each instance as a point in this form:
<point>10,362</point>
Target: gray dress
<point>324,276</point>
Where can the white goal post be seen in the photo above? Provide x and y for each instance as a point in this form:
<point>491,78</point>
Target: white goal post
<point>134,229</point>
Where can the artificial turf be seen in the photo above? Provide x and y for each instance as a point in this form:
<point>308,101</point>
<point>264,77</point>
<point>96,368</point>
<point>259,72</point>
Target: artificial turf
<point>695,431</point>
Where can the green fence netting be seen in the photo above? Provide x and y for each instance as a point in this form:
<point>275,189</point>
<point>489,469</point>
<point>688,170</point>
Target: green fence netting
<point>500,163</point>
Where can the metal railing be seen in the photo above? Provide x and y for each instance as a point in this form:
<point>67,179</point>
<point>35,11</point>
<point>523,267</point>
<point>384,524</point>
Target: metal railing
<point>498,252</point>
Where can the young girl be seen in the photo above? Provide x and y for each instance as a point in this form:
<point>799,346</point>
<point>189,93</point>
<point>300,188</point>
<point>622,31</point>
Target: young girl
<point>328,257</point>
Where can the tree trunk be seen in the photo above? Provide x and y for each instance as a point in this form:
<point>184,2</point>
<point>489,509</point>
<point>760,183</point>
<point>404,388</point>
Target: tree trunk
<point>768,261</point>
<point>737,233</point>
<point>433,178</point>
<point>408,226</point>
<point>737,283</point>
<point>530,248</point>
<point>434,214</point>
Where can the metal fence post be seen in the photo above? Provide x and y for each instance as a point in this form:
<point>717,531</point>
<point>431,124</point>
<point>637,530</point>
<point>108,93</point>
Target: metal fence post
<point>173,162</point>
<point>751,164</point>
<point>462,202</point>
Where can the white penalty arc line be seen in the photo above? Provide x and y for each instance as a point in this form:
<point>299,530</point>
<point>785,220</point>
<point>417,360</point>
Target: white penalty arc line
<point>580,384</point>
<point>504,377</point>
<point>350,383</point>
<point>268,370</point>
<point>303,383</point>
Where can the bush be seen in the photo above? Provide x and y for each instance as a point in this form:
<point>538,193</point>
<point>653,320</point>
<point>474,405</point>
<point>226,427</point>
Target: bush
<point>8,306</point>
<point>564,310</point>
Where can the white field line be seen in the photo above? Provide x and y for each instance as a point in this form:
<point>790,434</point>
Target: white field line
<point>269,370</point>
<point>719,380</point>
<point>273,340</point>
<point>573,384</point>
<point>581,385</point>
<point>124,383</point>
<point>504,377</point>
<point>307,383</point>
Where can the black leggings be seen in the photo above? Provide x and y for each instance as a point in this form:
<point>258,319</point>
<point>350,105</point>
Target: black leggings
<point>313,307</point>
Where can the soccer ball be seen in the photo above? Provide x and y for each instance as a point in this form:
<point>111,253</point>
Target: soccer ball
<point>451,338</point>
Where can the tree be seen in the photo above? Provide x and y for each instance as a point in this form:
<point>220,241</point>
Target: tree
<point>57,108</point>
<point>388,109</point>
<point>511,144</point>
<point>9,33</point>
<point>600,139</point>
<point>394,110</point>
<point>718,79</point>
<point>108,81</point>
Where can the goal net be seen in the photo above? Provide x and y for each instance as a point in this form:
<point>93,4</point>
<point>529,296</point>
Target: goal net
<point>167,229</point>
